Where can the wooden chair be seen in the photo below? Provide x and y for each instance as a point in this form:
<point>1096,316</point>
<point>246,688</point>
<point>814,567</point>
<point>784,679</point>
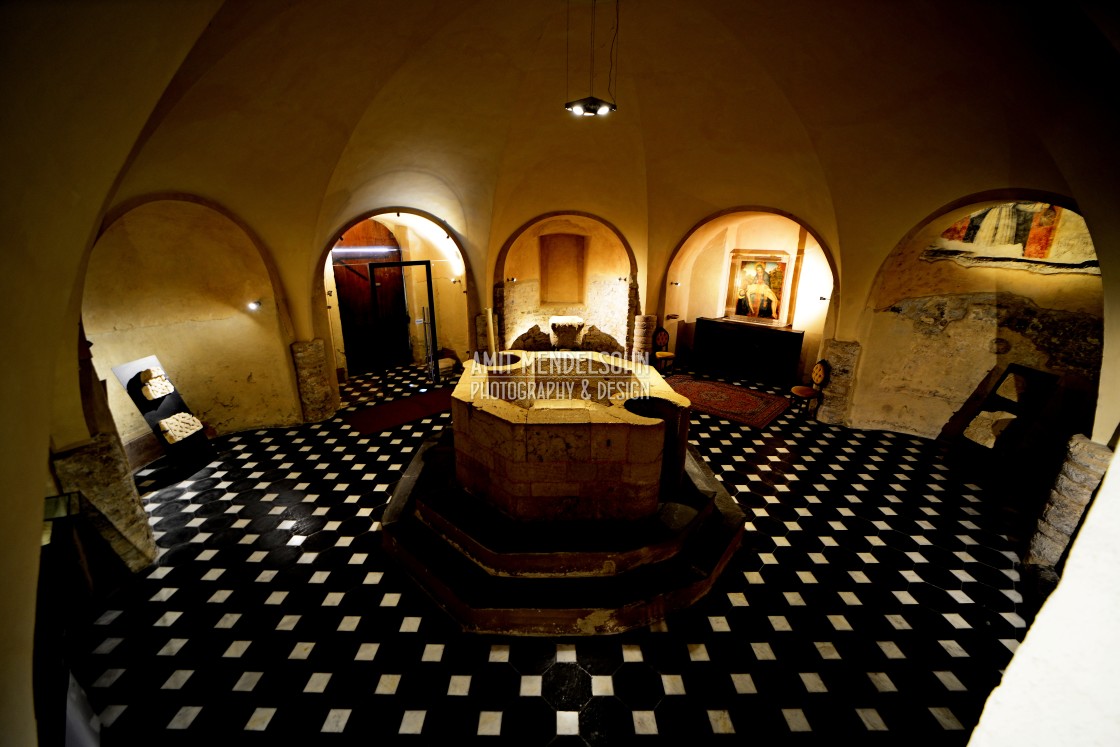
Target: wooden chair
<point>803,397</point>
<point>662,358</point>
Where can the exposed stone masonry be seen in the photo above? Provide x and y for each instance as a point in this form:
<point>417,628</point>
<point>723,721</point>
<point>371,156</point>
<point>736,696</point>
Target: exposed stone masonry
<point>1071,340</point>
<point>837,396</point>
<point>315,394</point>
<point>1084,467</point>
<point>99,471</point>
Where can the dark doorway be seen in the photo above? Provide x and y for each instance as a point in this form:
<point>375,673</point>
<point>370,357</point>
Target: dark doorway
<point>374,314</point>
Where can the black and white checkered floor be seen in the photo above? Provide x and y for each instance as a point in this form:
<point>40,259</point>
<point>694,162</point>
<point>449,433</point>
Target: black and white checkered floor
<point>875,600</point>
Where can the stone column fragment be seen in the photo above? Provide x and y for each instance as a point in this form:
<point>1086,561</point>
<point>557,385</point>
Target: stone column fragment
<point>99,471</point>
<point>644,325</point>
<point>836,398</point>
<point>315,394</point>
<point>1081,473</point>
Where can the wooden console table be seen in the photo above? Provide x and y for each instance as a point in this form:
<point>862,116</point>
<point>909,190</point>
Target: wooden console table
<point>754,352</point>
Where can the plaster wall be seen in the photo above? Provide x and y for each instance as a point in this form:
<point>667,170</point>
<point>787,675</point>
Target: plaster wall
<point>173,279</point>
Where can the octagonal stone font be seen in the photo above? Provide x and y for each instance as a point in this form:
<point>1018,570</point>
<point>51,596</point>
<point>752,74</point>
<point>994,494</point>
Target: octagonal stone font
<point>555,435</point>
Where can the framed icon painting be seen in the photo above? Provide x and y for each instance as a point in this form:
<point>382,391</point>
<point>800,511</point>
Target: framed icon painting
<point>759,286</point>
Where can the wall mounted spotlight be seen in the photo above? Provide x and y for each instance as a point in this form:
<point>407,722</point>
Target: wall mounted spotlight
<point>511,280</point>
<point>254,305</point>
<point>674,283</point>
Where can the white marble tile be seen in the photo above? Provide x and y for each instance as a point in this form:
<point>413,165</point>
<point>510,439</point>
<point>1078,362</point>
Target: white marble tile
<point>721,722</point>
<point>567,723</point>
<point>744,683</point>
<point>602,685</point>
<point>387,684</point>
<point>531,685</point>
<point>489,723</point>
<point>946,718</point>
<point>177,679</point>
<point>813,682</point>
<point>184,717</point>
<point>645,722</point>
<point>335,722</point>
<point>871,719</point>
<point>460,684</point>
<point>795,719</point>
<point>673,684</point>
<point>247,681</point>
<point>412,722</point>
<point>236,649</point>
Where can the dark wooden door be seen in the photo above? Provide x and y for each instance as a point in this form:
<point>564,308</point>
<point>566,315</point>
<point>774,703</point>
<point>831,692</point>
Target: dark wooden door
<point>374,316</point>
<point>355,310</point>
<point>392,316</point>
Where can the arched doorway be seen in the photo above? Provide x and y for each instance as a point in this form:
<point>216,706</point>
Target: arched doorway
<point>755,266</point>
<point>396,293</point>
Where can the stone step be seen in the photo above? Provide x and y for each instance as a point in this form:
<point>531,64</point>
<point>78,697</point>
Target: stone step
<point>575,580</point>
<point>505,546</point>
<point>559,605</point>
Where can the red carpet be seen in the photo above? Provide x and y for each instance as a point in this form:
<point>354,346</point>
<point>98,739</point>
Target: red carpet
<point>728,401</point>
<point>388,415</point>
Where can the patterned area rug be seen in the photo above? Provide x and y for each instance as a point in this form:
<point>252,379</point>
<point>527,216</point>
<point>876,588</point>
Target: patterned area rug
<point>730,402</point>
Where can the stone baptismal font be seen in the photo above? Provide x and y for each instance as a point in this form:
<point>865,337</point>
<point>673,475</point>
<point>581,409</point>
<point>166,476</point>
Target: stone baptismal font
<point>564,500</point>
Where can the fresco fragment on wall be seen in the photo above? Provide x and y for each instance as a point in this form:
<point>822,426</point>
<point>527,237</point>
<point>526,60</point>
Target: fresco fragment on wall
<point>1030,236</point>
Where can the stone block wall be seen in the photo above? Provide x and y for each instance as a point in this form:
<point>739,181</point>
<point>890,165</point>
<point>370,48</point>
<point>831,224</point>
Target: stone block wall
<point>573,462</point>
<point>551,435</point>
<point>315,393</point>
<point>99,471</point>
<point>1081,473</point>
<point>836,397</point>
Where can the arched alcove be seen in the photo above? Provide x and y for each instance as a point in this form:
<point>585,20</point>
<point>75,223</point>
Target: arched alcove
<point>703,275</point>
<point>409,236</point>
<point>175,278</point>
<point>566,264</point>
<point>973,290</point>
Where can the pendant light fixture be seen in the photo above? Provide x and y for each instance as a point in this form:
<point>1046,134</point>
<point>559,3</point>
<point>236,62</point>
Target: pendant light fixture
<point>591,105</point>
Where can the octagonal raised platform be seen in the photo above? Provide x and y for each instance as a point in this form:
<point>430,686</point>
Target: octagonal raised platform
<point>495,574</point>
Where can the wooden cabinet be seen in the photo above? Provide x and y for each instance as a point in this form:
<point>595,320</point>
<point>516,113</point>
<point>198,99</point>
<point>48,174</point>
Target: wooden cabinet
<point>753,352</point>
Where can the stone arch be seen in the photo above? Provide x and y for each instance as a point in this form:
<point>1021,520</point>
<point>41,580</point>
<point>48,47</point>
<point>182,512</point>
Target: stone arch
<point>465,338</point>
<point>173,276</point>
<point>610,297</point>
<point>696,276</point>
<point>943,316</point>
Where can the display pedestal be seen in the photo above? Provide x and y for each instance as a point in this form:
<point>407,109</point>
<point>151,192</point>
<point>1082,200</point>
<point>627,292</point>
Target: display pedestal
<point>166,414</point>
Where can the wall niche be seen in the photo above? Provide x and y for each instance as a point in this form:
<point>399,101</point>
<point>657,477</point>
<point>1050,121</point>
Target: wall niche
<point>563,258</point>
<point>566,265</point>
